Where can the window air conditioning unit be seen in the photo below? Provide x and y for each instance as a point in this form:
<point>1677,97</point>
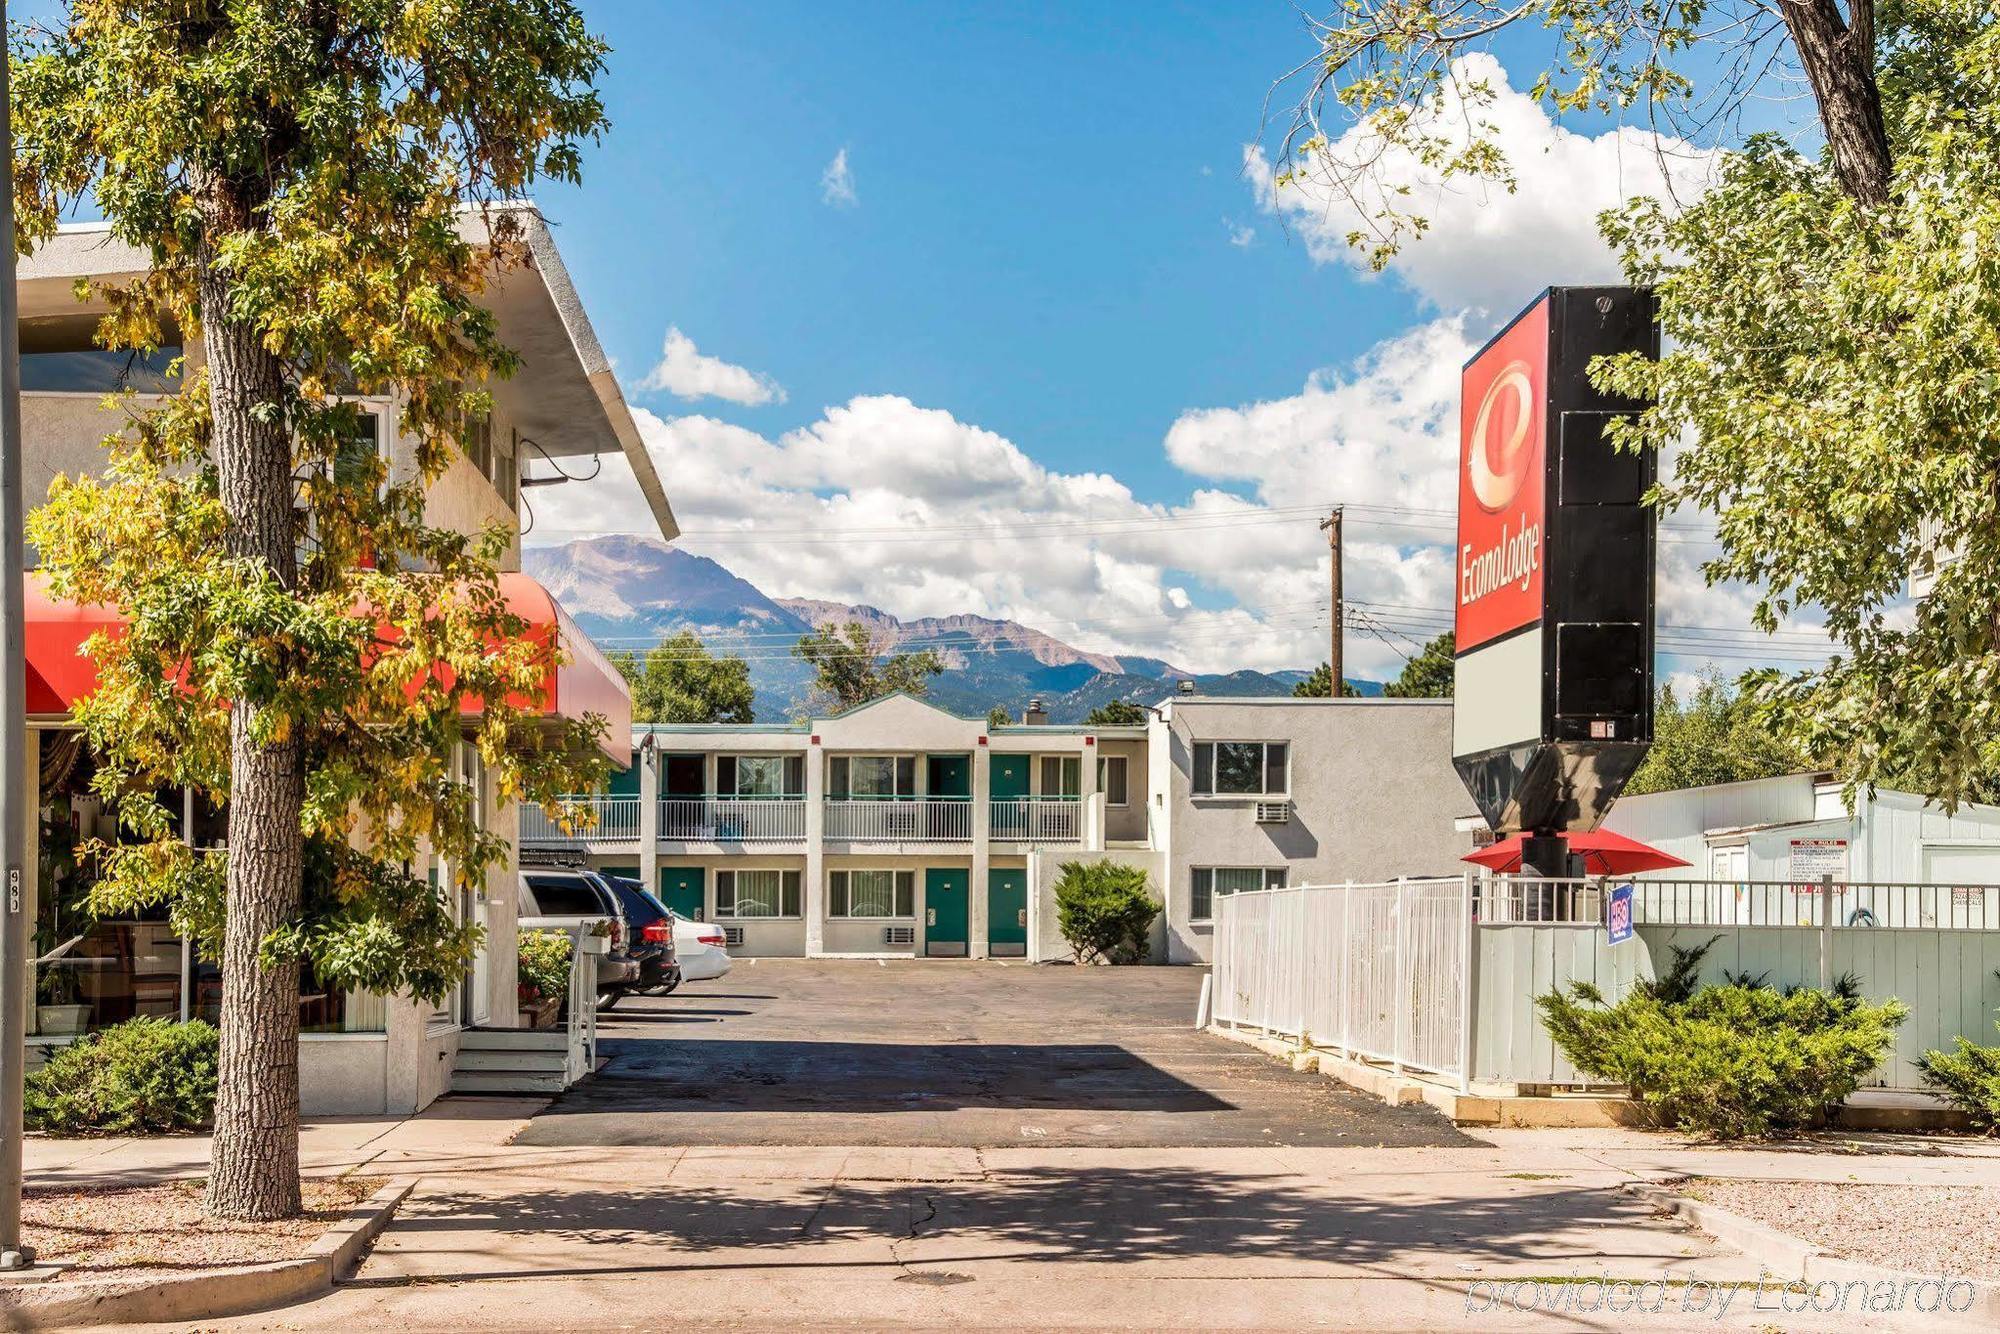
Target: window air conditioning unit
<point>1274,812</point>
<point>732,936</point>
<point>899,935</point>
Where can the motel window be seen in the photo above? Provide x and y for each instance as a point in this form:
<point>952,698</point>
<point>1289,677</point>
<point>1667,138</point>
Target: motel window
<point>1209,883</point>
<point>1112,779</point>
<point>1062,776</point>
<point>741,894</point>
<point>1242,769</point>
<point>873,776</point>
<point>871,893</point>
<point>760,775</point>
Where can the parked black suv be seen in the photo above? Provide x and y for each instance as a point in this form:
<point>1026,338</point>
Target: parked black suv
<point>641,956</point>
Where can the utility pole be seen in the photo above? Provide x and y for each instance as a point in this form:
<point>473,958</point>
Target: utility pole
<point>19,790</point>
<point>1336,667</point>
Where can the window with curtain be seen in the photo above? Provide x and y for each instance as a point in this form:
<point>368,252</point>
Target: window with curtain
<point>1062,776</point>
<point>1208,883</point>
<point>868,776</point>
<point>1242,769</point>
<point>1113,779</point>
<point>756,893</point>
<point>871,893</point>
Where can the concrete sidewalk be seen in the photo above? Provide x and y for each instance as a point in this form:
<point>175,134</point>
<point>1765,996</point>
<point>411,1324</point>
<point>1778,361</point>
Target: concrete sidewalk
<point>507,1237</point>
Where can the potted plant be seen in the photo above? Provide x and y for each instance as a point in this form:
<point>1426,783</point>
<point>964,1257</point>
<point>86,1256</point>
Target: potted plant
<point>542,977</point>
<point>62,1010</point>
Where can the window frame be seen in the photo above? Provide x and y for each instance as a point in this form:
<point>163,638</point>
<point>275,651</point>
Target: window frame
<point>791,893</point>
<point>1124,763</point>
<point>1202,778</point>
<point>900,768</point>
<point>902,891</point>
<point>1273,877</point>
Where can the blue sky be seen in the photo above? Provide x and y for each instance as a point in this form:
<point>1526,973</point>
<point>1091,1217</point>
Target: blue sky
<point>1054,351</point>
<point>1041,241</point>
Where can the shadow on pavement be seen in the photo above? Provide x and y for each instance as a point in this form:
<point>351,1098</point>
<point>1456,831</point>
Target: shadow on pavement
<point>1087,1215</point>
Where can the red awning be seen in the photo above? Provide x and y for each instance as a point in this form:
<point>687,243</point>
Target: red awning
<point>59,674</point>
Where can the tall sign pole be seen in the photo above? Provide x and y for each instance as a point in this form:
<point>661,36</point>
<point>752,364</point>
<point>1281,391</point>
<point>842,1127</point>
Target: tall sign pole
<point>18,788</point>
<point>1336,659</point>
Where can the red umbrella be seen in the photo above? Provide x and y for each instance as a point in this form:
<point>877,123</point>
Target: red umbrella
<point>1604,853</point>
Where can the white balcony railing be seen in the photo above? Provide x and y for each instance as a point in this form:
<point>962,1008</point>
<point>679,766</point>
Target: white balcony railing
<point>927,820</point>
<point>616,821</point>
<point>1037,820</point>
<point>733,819</point>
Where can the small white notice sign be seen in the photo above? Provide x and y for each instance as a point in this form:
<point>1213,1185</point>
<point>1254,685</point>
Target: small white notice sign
<point>1813,859</point>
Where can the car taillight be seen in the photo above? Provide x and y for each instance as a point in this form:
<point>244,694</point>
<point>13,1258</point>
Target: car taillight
<point>715,938</point>
<point>657,933</point>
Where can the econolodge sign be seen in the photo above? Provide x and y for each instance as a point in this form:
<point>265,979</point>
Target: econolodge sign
<point>1501,454</point>
<point>1553,568</point>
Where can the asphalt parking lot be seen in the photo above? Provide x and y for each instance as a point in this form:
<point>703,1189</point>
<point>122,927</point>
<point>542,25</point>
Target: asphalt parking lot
<point>951,1053</point>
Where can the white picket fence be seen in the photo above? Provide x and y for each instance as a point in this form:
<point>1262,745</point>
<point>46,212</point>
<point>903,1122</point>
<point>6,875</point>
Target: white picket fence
<point>1375,971</point>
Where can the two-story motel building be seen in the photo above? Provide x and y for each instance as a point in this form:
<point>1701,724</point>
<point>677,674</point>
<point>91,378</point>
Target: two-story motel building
<point>899,829</point>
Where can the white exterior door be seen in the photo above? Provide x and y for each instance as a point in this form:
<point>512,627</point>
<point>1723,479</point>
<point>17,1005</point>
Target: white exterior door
<point>1728,869</point>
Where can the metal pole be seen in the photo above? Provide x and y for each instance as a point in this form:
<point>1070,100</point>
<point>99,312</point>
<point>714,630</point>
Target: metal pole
<point>1336,658</point>
<point>1825,932</point>
<point>17,796</point>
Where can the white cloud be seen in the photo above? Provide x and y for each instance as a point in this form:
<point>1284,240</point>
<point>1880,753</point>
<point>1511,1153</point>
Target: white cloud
<point>1488,249</point>
<point>686,372</point>
<point>836,183</point>
<point>1240,236</point>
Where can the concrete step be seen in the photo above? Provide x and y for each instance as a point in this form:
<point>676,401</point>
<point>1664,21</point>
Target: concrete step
<point>505,1081</point>
<point>513,1039</point>
<point>508,1059</point>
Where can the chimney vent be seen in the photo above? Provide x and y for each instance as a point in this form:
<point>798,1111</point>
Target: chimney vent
<point>1037,714</point>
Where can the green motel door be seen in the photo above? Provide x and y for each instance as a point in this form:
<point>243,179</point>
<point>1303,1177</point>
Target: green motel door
<point>1009,784</point>
<point>681,890</point>
<point>1007,912</point>
<point>945,911</point>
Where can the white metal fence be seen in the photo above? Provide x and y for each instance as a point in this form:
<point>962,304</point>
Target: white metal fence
<point>1376,971</point>
<point>922,820</point>
<point>1442,976</point>
<point>1036,820</point>
<point>733,819</point>
<point>590,819</point>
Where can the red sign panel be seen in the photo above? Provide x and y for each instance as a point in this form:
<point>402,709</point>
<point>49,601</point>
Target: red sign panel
<point>1502,441</point>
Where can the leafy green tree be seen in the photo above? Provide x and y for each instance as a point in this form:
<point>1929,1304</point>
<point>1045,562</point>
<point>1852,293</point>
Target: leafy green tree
<point>1429,674</point>
<point>849,669</point>
<point>310,183</point>
<point>679,681</point>
<point>1320,685</point>
<point>1116,713</point>
<point>1831,316</point>
<point>1717,736</point>
<point>997,716</point>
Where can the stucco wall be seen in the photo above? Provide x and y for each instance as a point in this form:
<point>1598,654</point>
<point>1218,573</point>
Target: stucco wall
<point>65,434</point>
<point>1127,823</point>
<point>1045,938</point>
<point>462,500</point>
<point>344,1075</point>
<point>1372,785</point>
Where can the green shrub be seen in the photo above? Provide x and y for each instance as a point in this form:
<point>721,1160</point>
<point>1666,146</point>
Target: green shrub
<point>1105,910</point>
<point>1728,1062</point>
<point>144,1076</point>
<point>543,971</point>
<point>1968,1078</point>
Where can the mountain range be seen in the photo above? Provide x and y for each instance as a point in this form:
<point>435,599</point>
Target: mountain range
<point>632,592</point>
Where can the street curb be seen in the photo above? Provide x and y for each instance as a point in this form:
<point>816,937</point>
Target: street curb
<point>1794,1259</point>
<point>135,1301</point>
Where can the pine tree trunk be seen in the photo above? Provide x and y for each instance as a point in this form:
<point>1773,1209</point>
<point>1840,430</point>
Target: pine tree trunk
<point>254,1167</point>
<point>1839,60</point>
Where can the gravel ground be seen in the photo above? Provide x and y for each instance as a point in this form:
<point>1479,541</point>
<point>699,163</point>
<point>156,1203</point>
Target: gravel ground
<point>1924,1229</point>
<point>158,1229</point>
